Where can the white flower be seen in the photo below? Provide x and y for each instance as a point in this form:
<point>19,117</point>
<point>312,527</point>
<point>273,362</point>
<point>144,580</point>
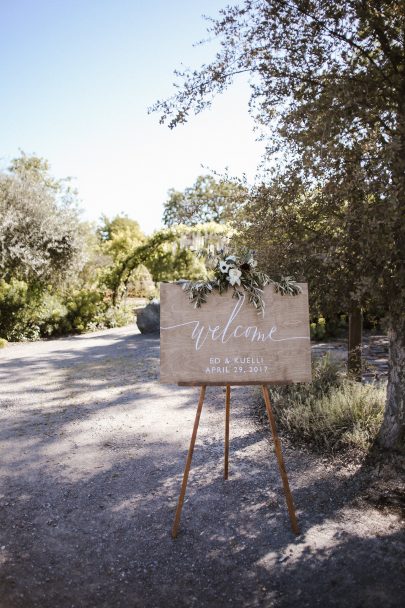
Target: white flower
<point>223,266</point>
<point>234,276</point>
<point>231,258</point>
<point>252,263</point>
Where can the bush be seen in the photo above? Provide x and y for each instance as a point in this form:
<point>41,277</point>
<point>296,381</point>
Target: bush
<point>3,342</point>
<point>318,329</point>
<point>90,310</point>
<point>17,304</point>
<point>50,315</point>
<point>333,413</point>
<point>331,327</point>
<point>85,310</point>
<point>118,316</point>
<point>141,284</point>
<point>27,314</point>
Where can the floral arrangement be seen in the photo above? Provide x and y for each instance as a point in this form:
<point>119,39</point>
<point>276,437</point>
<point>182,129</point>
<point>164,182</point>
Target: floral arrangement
<point>238,272</point>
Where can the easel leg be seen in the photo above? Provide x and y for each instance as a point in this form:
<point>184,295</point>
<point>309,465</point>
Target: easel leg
<point>227,413</point>
<point>188,463</point>
<point>279,454</point>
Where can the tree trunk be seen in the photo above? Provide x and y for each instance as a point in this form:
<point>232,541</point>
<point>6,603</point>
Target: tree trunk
<point>354,366</point>
<point>392,433</point>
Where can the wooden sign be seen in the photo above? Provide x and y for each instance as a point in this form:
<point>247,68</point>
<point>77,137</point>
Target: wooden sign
<point>227,342</point>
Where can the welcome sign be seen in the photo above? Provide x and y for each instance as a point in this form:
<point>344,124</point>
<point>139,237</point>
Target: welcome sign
<point>227,342</point>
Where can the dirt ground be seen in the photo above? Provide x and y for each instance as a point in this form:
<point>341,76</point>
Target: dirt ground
<point>92,452</point>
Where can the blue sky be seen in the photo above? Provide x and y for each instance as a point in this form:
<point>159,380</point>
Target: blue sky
<point>77,79</point>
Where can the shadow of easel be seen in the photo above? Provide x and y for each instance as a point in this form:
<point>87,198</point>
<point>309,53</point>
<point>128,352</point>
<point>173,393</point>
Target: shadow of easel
<point>277,445</point>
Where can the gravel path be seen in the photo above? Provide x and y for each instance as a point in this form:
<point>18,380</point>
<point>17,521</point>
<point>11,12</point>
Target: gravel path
<point>92,452</point>
<point>374,353</point>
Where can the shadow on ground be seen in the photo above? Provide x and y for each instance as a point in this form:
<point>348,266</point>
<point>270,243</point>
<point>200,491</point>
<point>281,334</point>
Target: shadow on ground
<point>93,451</point>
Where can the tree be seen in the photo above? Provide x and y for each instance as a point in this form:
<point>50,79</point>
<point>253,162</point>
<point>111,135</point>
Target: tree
<point>40,235</point>
<point>119,236</point>
<point>120,224</point>
<point>169,254</point>
<point>119,276</point>
<point>297,228</point>
<point>207,200</point>
<point>346,58</point>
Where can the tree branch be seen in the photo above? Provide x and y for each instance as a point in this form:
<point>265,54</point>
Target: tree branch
<point>339,36</point>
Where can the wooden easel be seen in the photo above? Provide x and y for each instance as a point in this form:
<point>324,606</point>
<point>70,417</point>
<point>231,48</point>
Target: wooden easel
<point>277,445</point>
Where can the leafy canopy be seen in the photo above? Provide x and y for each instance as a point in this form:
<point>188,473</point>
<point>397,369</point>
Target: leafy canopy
<point>40,236</point>
<point>207,200</point>
<point>328,88</point>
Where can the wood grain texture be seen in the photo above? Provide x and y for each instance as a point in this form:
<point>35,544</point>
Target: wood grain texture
<point>280,460</point>
<point>177,516</point>
<point>227,342</point>
<point>227,417</point>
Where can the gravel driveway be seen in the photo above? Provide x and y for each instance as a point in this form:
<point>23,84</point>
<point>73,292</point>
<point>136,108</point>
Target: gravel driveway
<point>92,453</point>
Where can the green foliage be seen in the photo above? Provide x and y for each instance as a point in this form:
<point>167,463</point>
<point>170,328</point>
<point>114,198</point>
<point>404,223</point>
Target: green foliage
<point>118,277</point>
<point>90,310</point>
<point>331,327</point>
<point>141,284</point>
<point>333,413</point>
<point>30,315</point>
<point>108,230</point>
<point>328,89</point>
<point>96,259</point>
<point>304,230</point>
<point>117,259</point>
<point>85,310</point>
<point>119,236</point>
<point>50,315</point>
<point>177,257</point>
<point>168,254</point>
<point>40,236</point>
<point>207,200</point>
<point>117,316</point>
<point>17,306</point>
<point>238,272</point>
<point>172,263</point>
<point>60,275</point>
<point>27,314</point>
<point>318,329</point>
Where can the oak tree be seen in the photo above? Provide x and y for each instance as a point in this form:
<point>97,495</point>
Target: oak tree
<point>328,82</point>
<point>207,200</point>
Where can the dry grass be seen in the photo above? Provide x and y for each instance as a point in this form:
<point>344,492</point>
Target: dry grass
<point>333,413</point>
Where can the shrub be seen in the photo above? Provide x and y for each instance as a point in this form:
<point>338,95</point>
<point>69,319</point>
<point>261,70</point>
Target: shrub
<point>331,327</point>
<point>118,316</point>
<point>333,413</point>
<point>3,342</point>
<point>50,315</point>
<point>318,329</point>
<point>141,284</point>
<point>17,303</point>
<point>85,310</point>
<point>28,314</point>
<point>90,310</point>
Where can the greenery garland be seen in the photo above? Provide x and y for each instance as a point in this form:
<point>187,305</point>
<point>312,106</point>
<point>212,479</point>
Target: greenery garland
<point>238,272</point>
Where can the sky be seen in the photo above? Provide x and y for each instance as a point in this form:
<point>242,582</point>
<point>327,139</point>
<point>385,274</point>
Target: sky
<point>77,79</point>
